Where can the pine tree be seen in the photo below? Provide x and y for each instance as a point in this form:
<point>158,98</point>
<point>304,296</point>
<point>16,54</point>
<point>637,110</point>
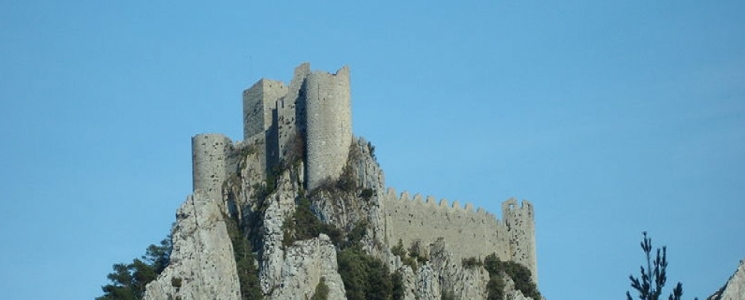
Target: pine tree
<point>654,277</point>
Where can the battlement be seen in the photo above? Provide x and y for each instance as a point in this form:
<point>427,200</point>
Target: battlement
<point>431,201</point>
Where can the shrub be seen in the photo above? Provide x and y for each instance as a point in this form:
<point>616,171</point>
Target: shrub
<point>471,262</point>
<point>364,276</point>
<point>367,193</point>
<point>303,225</point>
<point>519,274</point>
<point>399,289</point>
<point>248,273</point>
<point>322,290</point>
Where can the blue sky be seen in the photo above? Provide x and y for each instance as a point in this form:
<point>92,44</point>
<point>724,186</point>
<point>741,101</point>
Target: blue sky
<point>612,117</point>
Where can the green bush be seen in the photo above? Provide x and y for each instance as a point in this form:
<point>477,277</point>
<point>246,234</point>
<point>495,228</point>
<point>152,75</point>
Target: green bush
<point>303,225</point>
<point>495,288</point>
<point>399,251</point>
<point>364,276</point>
<point>399,289</point>
<point>367,193</point>
<point>519,274</point>
<point>471,262</point>
<point>322,290</point>
<point>248,273</point>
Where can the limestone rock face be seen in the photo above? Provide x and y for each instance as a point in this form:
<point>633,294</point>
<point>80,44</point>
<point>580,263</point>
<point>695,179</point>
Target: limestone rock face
<point>464,283</point>
<point>734,289</point>
<point>306,263</point>
<point>202,264</point>
<point>281,203</point>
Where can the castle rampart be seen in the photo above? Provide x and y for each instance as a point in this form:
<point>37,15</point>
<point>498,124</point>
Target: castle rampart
<point>329,125</point>
<point>469,233</point>
<point>210,154</point>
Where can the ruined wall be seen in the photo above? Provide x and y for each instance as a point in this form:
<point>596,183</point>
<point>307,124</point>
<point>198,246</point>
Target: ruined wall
<point>291,111</point>
<point>258,102</point>
<point>520,223</point>
<point>468,233</point>
<point>210,162</point>
<point>328,125</point>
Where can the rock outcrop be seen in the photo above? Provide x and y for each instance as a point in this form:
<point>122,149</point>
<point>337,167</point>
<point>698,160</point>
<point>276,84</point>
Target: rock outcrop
<point>270,214</point>
<point>202,264</point>
<point>305,264</point>
<point>734,289</point>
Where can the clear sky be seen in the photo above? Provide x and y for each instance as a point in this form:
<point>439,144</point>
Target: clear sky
<point>612,117</point>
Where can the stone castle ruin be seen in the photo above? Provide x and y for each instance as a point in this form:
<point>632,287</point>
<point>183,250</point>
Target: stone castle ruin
<point>313,112</point>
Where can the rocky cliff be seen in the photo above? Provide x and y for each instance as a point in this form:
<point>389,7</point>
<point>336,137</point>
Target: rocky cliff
<point>296,238</point>
<point>734,289</point>
<point>202,265</point>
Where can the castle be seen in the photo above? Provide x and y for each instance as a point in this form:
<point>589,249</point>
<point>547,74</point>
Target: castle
<point>315,109</point>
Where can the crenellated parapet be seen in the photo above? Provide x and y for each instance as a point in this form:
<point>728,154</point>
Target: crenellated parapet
<point>471,233</point>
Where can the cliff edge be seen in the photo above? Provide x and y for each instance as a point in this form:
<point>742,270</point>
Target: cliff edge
<point>734,289</point>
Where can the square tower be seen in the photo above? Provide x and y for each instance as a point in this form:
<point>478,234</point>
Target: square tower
<point>258,102</point>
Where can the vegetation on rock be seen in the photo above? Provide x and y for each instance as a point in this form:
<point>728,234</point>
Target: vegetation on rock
<point>497,269</point>
<point>364,276</point>
<point>248,273</point>
<point>322,290</point>
<point>303,225</point>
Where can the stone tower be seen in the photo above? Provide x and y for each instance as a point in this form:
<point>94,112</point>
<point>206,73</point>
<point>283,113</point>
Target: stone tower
<point>328,125</point>
<point>209,163</point>
<point>314,108</point>
<point>520,223</point>
<point>258,102</point>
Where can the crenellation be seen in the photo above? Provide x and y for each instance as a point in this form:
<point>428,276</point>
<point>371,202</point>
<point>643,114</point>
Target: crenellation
<point>456,205</point>
<point>391,193</point>
<point>405,196</point>
<point>471,233</point>
<point>431,201</point>
<point>418,198</point>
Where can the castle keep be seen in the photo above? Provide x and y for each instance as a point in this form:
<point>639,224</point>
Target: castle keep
<point>313,112</point>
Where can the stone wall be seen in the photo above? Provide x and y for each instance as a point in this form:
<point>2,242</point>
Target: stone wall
<point>469,233</point>
<point>329,125</point>
<point>291,110</point>
<point>210,162</point>
<point>258,102</point>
